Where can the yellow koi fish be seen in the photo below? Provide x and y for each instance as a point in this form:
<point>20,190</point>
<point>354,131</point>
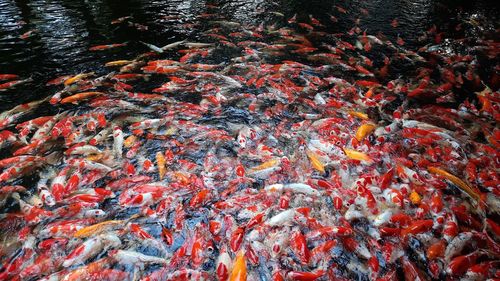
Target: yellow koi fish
<point>95,157</point>
<point>415,198</point>
<point>356,155</point>
<point>455,180</point>
<point>118,63</point>
<point>130,141</point>
<point>315,162</point>
<point>265,165</point>
<point>77,78</point>
<point>97,228</point>
<point>364,130</point>
<point>160,161</point>
<point>239,272</point>
<point>358,114</point>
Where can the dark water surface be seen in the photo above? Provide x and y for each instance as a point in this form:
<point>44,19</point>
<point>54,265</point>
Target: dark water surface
<point>62,31</point>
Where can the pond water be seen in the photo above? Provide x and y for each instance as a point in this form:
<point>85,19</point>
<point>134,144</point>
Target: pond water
<point>59,33</point>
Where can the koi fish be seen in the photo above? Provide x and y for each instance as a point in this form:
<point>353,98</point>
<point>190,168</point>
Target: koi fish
<point>364,130</point>
<point>80,96</point>
<point>107,47</point>
<point>356,155</point>
<point>160,162</point>
<point>239,272</point>
<point>118,63</point>
<point>458,182</point>
<point>77,78</point>
<point>98,228</point>
<point>12,84</point>
<point>315,161</point>
<point>8,76</point>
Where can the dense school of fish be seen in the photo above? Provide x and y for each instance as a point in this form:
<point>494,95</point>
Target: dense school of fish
<point>355,160</point>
